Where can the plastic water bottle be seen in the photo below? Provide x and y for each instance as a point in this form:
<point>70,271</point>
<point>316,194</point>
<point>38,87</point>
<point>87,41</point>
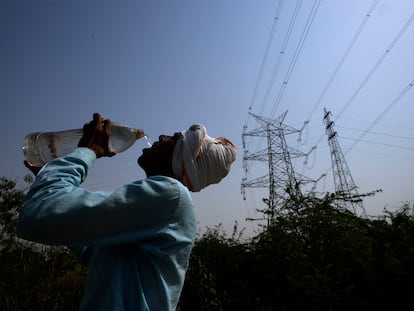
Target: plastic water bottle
<point>42,147</point>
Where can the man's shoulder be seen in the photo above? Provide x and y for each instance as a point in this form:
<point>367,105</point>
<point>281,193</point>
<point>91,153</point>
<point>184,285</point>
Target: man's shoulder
<point>161,183</point>
<point>166,180</point>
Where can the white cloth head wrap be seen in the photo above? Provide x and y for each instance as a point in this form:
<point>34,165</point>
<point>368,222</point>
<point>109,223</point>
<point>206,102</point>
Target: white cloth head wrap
<point>200,160</point>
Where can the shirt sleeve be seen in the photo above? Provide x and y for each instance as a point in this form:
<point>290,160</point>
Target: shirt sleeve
<point>57,211</point>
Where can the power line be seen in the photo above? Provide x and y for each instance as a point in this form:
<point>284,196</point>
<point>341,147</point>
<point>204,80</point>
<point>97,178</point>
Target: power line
<point>373,69</point>
<point>343,58</point>
<point>279,59</point>
<point>296,54</point>
<point>378,133</point>
<point>380,60</point>
<point>386,110</point>
<point>393,156</point>
<point>378,143</point>
<point>281,54</point>
<point>266,55</point>
<point>381,124</point>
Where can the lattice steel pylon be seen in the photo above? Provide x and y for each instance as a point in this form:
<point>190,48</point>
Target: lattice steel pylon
<point>280,174</point>
<point>344,183</point>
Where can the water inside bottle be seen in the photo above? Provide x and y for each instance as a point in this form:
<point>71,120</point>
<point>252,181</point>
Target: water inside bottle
<point>149,142</point>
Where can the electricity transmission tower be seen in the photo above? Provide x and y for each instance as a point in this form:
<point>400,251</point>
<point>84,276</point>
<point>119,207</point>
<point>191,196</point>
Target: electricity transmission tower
<point>280,175</point>
<point>344,183</point>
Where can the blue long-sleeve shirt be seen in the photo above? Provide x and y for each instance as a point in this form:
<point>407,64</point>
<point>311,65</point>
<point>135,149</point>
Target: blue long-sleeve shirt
<point>136,241</point>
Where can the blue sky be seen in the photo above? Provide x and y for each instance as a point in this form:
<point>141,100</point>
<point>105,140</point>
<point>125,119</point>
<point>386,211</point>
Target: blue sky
<point>163,65</point>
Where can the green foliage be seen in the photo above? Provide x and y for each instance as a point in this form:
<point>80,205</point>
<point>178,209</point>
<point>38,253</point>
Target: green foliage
<point>319,253</point>
<point>33,277</point>
<point>213,276</point>
<point>10,202</point>
<point>313,255</point>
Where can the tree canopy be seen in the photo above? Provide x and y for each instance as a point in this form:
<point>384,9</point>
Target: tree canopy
<point>313,255</point>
